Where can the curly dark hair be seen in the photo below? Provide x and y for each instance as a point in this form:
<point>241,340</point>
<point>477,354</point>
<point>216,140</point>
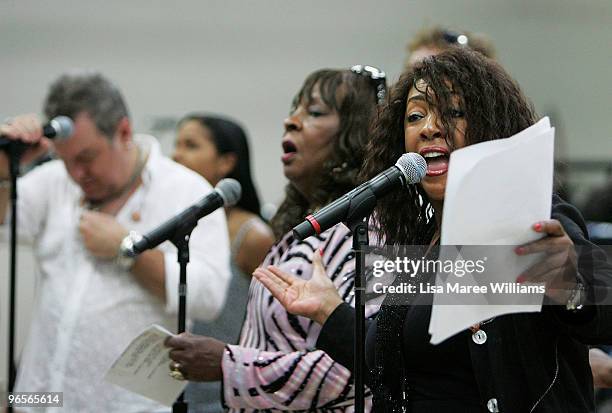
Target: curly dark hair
<point>353,97</point>
<point>494,107</point>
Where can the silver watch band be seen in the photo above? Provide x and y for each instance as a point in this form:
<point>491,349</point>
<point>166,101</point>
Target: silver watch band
<point>125,256</point>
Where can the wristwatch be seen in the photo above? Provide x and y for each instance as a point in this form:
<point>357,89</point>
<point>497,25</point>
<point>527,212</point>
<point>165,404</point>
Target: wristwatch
<point>575,301</point>
<point>126,256</point>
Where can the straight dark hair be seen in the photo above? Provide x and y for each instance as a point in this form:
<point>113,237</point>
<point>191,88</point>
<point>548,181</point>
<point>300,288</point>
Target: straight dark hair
<point>229,137</point>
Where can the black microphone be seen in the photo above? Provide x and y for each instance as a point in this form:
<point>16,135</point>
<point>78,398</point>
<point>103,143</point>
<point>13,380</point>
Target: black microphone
<point>60,127</point>
<point>410,168</point>
<point>226,193</point>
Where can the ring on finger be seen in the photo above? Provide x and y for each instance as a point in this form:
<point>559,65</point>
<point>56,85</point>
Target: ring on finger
<point>177,375</point>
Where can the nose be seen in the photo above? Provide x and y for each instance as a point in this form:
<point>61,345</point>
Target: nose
<point>78,173</point>
<point>177,156</point>
<point>293,122</point>
<point>431,128</point>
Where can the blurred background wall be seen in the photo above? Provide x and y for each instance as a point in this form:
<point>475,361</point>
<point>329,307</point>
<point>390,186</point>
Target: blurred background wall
<point>246,59</point>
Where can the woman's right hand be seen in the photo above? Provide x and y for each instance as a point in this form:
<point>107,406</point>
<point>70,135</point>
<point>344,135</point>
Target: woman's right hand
<point>316,298</point>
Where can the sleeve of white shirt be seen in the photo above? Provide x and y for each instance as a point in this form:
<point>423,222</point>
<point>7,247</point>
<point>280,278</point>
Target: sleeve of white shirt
<point>208,271</point>
<point>33,192</point>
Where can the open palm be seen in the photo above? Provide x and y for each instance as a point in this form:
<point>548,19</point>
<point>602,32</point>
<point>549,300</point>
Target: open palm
<point>315,298</point>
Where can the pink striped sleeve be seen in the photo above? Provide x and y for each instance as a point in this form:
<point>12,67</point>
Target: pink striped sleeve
<point>300,380</point>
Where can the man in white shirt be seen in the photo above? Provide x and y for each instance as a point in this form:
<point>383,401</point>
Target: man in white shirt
<point>76,211</point>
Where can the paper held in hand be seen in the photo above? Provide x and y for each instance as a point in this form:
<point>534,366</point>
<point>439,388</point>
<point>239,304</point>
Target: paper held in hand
<point>495,192</point>
<point>143,367</point>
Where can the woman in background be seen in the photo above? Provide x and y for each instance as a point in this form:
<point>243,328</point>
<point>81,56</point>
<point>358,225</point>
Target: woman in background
<point>434,40</point>
<point>217,148</point>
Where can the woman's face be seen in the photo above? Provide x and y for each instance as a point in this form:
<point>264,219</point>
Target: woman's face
<point>424,134</point>
<point>308,141</point>
<point>195,149</point>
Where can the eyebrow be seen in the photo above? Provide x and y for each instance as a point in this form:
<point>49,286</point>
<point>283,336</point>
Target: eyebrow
<point>315,100</point>
<point>421,97</point>
<point>85,154</point>
<point>417,97</point>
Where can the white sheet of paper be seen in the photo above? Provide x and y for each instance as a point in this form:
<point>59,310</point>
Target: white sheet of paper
<point>143,367</point>
<point>495,192</point>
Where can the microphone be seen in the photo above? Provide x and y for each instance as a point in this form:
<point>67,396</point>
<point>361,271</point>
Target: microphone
<point>60,127</point>
<point>226,193</point>
<point>410,168</point>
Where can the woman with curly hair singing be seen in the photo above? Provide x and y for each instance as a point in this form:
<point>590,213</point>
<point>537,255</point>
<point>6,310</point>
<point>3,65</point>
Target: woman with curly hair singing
<point>275,365</point>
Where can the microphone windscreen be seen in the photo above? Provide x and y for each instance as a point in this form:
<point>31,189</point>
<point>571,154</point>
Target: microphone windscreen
<point>230,190</point>
<point>413,167</point>
<point>62,126</point>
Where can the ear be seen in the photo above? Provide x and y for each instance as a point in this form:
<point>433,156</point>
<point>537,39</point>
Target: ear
<point>227,163</point>
<point>123,134</point>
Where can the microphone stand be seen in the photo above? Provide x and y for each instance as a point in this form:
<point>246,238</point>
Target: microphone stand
<point>180,239</point>
<point>360,208</point>
<point>14,151</point>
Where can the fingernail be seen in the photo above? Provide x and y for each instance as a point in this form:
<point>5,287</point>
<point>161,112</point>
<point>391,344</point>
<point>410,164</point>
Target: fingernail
<point>537,226</point>
<point>520,279</point>
<point>321,252</point>
<point>519,250</point>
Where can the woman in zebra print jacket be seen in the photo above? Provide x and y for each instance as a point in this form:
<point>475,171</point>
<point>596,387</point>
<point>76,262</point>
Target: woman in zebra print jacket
<point>275,365</point>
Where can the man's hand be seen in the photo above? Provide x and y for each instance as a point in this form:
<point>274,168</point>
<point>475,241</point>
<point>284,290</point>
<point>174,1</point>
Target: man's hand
<point>102,234</point>
<point>28,129</point>
<point>198,358</point>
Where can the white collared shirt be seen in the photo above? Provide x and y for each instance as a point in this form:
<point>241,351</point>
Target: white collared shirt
<point>87,309</point>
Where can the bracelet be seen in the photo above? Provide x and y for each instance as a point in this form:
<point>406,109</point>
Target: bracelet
<point>125,256</point>
<point>576,300</point>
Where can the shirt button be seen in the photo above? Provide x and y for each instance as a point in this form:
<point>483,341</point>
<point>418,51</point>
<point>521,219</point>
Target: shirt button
<point>492,406</point>
<point>479,337</point>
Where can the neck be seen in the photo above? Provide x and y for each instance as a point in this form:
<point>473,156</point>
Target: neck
<point>438,207</point>
<point>306,190</point>
<point>135,163</point>
<point>132,172</point>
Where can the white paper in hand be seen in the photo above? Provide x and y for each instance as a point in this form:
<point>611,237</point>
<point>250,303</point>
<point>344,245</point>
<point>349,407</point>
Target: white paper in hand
<point>143,367</point>
<point>495,192</point>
